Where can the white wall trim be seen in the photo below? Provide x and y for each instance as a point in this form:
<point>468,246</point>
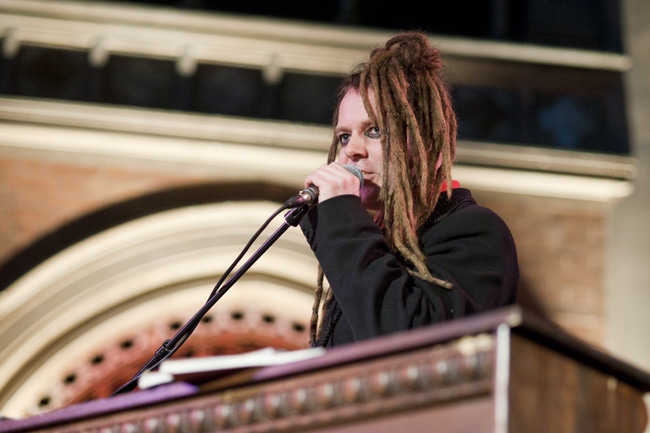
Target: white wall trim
<point>283,153</point>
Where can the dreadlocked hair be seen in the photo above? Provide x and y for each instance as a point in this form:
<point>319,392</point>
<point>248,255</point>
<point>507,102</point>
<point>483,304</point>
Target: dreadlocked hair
<point>418,131</point>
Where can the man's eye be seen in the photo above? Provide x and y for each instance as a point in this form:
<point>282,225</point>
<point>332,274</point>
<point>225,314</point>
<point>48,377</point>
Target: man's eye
<point>344,138</point>
<point>374,132</point>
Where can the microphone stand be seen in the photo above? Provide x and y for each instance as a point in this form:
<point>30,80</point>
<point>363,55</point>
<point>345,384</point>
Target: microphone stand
<point>292,219</point>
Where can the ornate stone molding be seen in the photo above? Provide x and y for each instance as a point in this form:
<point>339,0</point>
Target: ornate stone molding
<point>460,369</point>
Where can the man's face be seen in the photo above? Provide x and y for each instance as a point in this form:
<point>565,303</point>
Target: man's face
<point>360,145</point>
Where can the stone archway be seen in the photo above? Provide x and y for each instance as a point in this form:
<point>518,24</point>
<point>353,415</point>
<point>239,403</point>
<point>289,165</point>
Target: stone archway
<point>81,323</point>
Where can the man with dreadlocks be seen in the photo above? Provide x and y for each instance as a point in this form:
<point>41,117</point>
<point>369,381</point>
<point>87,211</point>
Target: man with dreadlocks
<point>411,247</point>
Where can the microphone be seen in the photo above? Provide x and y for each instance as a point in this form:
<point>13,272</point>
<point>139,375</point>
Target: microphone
<point>309,195</point>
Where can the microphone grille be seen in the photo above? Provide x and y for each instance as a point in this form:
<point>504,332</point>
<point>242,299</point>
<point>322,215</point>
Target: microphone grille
<point>355,171</point>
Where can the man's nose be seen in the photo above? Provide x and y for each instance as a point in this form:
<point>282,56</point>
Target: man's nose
<point>356,148</point>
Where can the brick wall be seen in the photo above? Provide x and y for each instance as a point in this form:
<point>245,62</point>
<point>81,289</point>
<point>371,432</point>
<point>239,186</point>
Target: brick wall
<point>38,196</point>
<point>561,248</point>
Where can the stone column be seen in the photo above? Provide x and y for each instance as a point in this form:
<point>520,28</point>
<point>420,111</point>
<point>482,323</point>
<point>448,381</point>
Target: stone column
<point>628,253</point>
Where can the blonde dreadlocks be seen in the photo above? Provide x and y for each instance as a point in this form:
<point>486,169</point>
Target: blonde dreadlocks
<point>418,132</point>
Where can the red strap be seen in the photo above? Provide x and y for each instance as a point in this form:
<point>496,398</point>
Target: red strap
<point>454,184</point>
